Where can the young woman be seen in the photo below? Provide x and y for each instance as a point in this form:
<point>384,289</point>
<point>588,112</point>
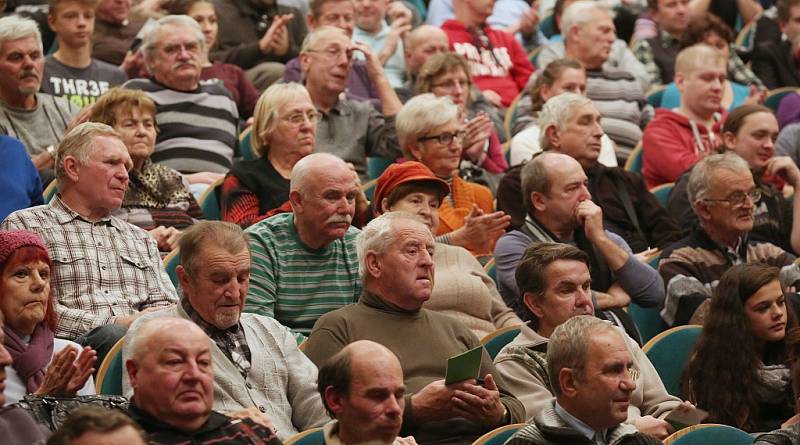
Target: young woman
<point>739,371</point>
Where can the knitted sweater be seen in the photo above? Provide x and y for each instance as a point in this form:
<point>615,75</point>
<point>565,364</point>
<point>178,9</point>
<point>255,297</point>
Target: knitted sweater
<point>281,382</point>
<point>423,340</point>
<point>458,205</point>
<point>464,291</point>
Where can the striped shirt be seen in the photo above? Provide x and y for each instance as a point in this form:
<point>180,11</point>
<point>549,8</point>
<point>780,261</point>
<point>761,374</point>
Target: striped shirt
<point>295,284</point>
<point>197,131</point>
<point>101,270</point>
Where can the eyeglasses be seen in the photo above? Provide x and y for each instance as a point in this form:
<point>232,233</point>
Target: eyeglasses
<point>175,48</point>
<point>333,53</point>
<point>452,84</point>
<point>738,199</point>
<point>300,117</point>
<point>446,138</point>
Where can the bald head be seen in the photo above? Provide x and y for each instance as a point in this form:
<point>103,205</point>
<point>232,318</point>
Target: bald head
<point>310,167</point>
<point>153,331</point>
<point>366,353</point>
<point>423,42</point>
<point>697,56</point>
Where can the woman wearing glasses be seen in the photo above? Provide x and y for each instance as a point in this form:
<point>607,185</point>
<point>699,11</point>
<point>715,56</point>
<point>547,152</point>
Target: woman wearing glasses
<point>284,132</point>
<point>750,131</point>
<point>739,371</point>
<point>431,131</point>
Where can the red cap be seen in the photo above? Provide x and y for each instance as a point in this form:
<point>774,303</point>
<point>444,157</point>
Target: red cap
<point>408,171</point>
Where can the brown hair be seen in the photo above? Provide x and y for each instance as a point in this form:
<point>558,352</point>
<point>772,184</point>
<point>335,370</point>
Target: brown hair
<point>548,76</point>
<point>437,65</point>
<point>701,26</point>
<point>92,418</point>
<point>735,120</point>
<point>53,5</point>
<point>119,100</point>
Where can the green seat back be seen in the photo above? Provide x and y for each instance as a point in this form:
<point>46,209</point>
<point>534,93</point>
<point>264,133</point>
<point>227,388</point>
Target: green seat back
<point>669,352</point>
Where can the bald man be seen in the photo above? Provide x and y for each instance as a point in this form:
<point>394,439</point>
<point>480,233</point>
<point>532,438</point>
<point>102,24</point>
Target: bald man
<point>362,388</point>
<point>676,139</point>
<point>421,43</point>
<point>173,387</point>
<point>315,243</point>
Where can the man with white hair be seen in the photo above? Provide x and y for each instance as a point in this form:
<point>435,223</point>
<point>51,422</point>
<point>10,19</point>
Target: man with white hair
<point>315,243</point>
<point>723,196</point>
<point>589,35</point>
<point>37,119</point>
<point>395,255</point>
<point>105,271</point>
<point>198,123</point>
<point>258,369</point>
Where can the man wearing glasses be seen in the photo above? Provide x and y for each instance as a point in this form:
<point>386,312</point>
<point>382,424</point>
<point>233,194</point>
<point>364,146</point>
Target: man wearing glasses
<point>348,129</point>
<point>723,195</point>
<point>198,123</point>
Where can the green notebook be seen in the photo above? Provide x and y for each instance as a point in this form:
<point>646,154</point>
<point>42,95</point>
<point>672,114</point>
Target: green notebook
<point>464,366</point>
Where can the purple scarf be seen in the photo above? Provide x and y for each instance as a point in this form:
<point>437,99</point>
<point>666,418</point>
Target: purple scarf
<point>31,360</point>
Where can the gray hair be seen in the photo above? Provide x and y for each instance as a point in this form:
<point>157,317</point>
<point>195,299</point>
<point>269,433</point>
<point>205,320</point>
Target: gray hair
<point>580,14</point>
<point>303,171</point>
<point>199,236</point>
<point>79,143</point>
<point>138,343</point>
<point>568,346</point>
<point>14,27</point>
<point>378,235</point>
<point>152,33</point>
<point>556,111</point>
<point>319,34</point>
<point>265,116</point>
<point>420,115</point>
<point>699,185</point>
<point>534,178</point>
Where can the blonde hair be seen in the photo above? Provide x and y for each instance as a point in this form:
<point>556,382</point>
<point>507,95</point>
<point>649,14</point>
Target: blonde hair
<point>79,143</point>
<point>265,116</point>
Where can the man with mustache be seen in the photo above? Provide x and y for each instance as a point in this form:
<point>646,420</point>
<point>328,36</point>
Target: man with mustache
<point>198,123</point>
<point>258,370</point>
<point>37,119</point>
<point>172,375</point>
<point>676,139</point>
<point>555,192</point>
<point>305,262</point>
<point>362,388</point>
<point>723,196</point>
<point>591,372</point>
<point>395,255</point>
<point>554,280</point>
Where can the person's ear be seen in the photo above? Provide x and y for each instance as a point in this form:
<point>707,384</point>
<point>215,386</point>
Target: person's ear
<point>534,304</point>
<point>416,151</point>
<point>545,92</point>
<point>728,140</point>
<point>183,278</point>
<point>701,209</point>
<point>373,264</point>
<point>312,24</point>
<point>72,168</point>
<point>553,136</point>
<point>384,207</point>
<point>51,20</point>
<point>680,80</point>
<point>296,201</point>
<point>305,63</point>
<point>567,381</point>
<point>537,202</point>
<point>133,372</point>
<point>334,400</point>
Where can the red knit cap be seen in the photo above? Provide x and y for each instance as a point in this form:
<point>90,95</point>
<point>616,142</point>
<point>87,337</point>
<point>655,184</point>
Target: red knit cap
<point>11,240</point>
<point>408,171</point>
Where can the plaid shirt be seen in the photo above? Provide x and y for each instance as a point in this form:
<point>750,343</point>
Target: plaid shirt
<point>101,270</point>
<point>231,341</point>
<point>737,70</point>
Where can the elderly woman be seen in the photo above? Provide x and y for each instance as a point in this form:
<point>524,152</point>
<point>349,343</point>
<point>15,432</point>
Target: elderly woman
<point>244,93</point>
<point>461,288</point>
<point>284,132</point>
<point>447,74</point>
<point>41,363</point>
<point>430,131</point>
<point>157,198</point>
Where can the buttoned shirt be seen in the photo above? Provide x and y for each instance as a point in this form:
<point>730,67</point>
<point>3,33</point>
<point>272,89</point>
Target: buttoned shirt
<point>231,341</point>
<point>101,270</point>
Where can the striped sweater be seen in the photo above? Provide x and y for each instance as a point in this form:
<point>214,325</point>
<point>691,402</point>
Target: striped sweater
<point>295,284</point>
<point>197,131</point>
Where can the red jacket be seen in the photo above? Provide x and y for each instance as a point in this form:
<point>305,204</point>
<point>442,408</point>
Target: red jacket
<point>670,146</point>
<point>499,64</point>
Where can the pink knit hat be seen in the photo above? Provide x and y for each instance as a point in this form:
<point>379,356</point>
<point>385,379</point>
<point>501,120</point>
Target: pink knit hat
<point>11,240</point>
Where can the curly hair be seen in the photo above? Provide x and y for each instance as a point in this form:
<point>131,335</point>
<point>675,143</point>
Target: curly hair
<point>723,370</point>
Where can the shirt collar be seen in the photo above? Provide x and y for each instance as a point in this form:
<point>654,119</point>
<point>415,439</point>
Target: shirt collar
<point>668,39</point>
<point>584,429</point>
<point>64,214</point>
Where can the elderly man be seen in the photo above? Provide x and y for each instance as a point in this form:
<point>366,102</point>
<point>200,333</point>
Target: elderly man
<point>173,388</point>
<point>629,210</point>
<point>397,271</point>
<point>257,366</point>
<point>259,35</point>
<point>421,43</point>
<point>722,193</point>
<point>348,129</point>
<point>591,372</point>
<point>105,271</point>
<point>774,60</point>
<point>500,67</point>
<point>37,119</point>
<point>554,187</point>
<point>198,122</point>
<point>589,34</point>
<point>676,139</point>
<point>98,426</point>
<point>315,240</point>
<point>362,388</point>
<point>554,281</point>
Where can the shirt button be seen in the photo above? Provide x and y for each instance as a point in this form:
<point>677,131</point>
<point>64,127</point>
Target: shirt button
<point>248,385</point>
<point>262,409</point>
<point>103,267</point>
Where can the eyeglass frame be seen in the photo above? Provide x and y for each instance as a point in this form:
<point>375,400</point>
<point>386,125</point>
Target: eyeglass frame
<point>311,116</point>
<point>753,195</point>
<point>441,138</point>
<point>348,52</point>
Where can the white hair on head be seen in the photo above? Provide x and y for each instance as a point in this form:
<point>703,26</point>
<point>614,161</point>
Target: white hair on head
<point>152,33</point>
<point>14,27</point>
<point>420,115</point>
<point>378,235</point>
<point>580,14</point>
<point>555,113</point>
<point>303,173</point>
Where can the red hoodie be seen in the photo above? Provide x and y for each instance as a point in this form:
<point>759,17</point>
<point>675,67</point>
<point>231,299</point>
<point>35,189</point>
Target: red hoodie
<point>671,147</point>
<point>499,64</point>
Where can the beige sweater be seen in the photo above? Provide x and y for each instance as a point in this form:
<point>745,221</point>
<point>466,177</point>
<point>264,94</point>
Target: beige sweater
<point>464,291</point>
